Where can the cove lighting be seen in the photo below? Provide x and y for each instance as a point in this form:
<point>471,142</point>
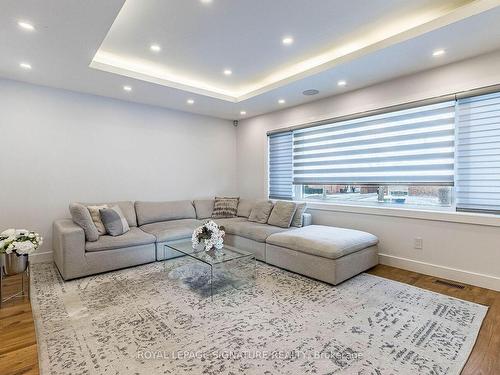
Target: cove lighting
<point>26,25</point>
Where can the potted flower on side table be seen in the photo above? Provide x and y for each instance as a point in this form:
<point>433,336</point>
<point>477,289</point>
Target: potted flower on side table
<point>15,246</point>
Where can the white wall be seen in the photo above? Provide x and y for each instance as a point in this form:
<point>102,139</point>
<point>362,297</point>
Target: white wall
<point>58,146</point>
<point>467,249</point>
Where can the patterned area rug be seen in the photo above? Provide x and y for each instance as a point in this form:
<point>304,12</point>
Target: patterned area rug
<point>141,321</point>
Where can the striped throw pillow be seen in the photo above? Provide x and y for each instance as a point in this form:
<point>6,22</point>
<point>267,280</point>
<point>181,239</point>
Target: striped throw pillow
<point>225,207</point>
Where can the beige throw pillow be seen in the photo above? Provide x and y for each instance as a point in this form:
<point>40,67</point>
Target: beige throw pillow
<point>96,217</point>
<point>297,217</point>
<point>261,211</point>
<point>245,207</point>
<point>282,214</point>
<point>81,216</point>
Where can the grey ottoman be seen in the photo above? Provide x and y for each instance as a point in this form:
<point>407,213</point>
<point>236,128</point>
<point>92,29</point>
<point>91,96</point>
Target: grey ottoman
<point>325,253</point>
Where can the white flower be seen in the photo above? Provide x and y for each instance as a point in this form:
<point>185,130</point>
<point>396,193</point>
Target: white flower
<point>9,249</point>
<point>24,247</point>
<point>11,238</point>
<point>8,233</point>
<point>20,241</point>
<point>216,239</point>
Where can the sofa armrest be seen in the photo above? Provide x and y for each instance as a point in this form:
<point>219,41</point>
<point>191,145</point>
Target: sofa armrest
<point>306,219</point>
<point>69,246</point>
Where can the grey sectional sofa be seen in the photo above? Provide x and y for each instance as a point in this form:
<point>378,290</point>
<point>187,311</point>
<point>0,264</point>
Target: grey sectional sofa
<point>325,253</point>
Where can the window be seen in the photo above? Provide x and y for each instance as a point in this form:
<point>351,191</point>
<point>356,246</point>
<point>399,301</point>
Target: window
<point>413,146</point>
<point>478,148</point>
<point>441,156</point>
<point>393,195</point>
<point>280,166</point>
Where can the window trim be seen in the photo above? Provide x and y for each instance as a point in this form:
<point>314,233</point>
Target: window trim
<point>409,213</point>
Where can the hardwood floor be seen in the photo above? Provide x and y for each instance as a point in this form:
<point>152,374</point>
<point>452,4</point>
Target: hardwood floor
<point>18,349</point>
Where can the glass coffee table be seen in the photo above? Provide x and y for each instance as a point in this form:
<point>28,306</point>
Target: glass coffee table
<point>213,270</point>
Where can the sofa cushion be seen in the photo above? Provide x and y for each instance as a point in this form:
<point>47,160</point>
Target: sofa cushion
<point>134,237</point>
<point>229,220</point>
<point>172,230</point>
<point>81,216</point>
<point>114,222</point>
<point>282,214</point>
<point>261,211</point>
<point>253,231</point>
<point>203,208</point>
<point>225,207</point>
<point>323,241</point>
<point>298,217</point>
<point>127,208</point>
<point>152,212</point>
<point>245,207</point>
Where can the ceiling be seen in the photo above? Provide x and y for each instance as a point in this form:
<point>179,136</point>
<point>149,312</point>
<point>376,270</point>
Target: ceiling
<point>98,47</point>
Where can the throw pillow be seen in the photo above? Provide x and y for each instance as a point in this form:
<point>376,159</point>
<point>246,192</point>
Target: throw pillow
<point>203,208</point>
<point>282,214</point>
<point>81,216</point>
<point>96,217</point>
<point>245,207</point>
<point>260,212</point>
<point>114,221</point>
<point>297,218</point>
<point>225,207</point>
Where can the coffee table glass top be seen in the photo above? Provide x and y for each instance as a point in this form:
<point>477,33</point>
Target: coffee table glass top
<point>227,268</point>
<point>212,257</point>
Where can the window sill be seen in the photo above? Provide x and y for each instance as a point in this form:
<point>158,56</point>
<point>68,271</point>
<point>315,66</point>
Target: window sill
<point>410,213</point>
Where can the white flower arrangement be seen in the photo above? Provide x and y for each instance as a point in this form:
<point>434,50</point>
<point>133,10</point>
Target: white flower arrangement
<point>210,234</point>
<point>19,241</point>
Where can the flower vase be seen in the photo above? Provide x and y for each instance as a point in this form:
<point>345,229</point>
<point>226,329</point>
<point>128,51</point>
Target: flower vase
<point>13,264</point>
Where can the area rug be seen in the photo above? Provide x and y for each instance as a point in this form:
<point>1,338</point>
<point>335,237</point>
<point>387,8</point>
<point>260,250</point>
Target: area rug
<point>141,321</point>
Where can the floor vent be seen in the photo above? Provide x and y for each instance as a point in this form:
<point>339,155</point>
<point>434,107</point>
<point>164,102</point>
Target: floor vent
<point>449,283</point>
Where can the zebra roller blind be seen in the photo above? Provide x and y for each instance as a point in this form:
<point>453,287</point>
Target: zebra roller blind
<point>478,154</point>
<point>411,146</point>
<point>280,166</point>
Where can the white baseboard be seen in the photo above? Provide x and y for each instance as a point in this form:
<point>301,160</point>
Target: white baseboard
<point>41,257</point>
<point>467,277</point>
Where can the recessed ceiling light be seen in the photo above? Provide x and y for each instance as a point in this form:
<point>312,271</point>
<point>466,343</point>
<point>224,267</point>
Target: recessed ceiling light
<point>127,88</point>
<point>190,101</point>
<point>310,92</point>
<point>228,72</point>
<point>287,40</point>
<point>281,101</point>
<point>341,83</point>
<point>438,52</point>
<point>25,66</point>
<point>243,113</point>
<point>155,48</point>
<point>26,25</point>
<point>206,1</point>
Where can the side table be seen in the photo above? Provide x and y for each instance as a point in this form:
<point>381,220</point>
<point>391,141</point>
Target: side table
<point>25,278</point>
